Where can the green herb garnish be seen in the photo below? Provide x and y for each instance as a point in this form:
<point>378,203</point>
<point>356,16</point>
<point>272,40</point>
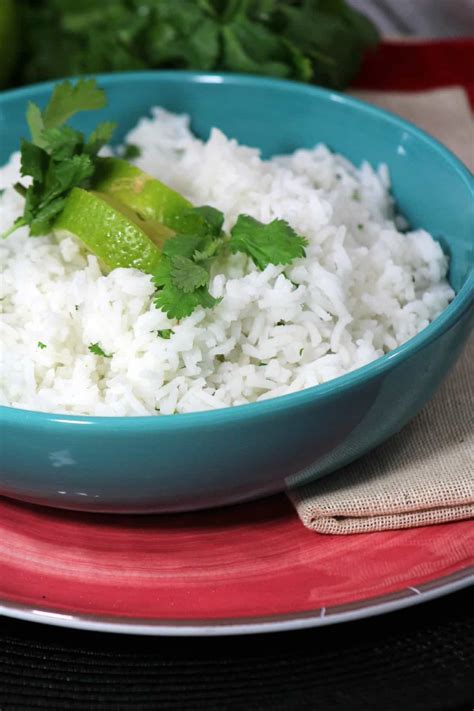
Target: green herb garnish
<point>131,151</point>
<point>97,350</point>
<point>41,345</point>
<point>182,277</point>
<point>165,333</point>
<point>275,243</point>
<point>58,158</point>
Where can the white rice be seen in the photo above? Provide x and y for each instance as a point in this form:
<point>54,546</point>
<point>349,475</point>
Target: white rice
<point>363,289</point>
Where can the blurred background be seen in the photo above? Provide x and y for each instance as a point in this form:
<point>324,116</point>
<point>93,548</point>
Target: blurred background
<point>425,18</point>
<point>320,41</point>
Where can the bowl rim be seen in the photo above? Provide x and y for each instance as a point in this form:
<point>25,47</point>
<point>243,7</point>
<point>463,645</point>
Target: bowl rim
<point>461,303</point>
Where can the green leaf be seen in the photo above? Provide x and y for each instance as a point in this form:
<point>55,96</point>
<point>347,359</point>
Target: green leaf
<point>34,119</point>
<point>176,304</point>
<point>68,99</point>
<point>165,333</point>
<point>61,142</point>
<point>214,219</point>
<point>209,247</point>
<point>187,275</point>
<point>19,222</point>
<point>41,345</point>
<point>67,37</point>
<point>182,245</point>
<point>182,35</point>
<point>42,221</point>
<point>331,35</point>
<point>365,29</point>
<point>198,221</point>
<point>34,161</point>
<point>63,176</point>
<point>131,151</point>
<point>252,49</point>
<point>275,243</point>
<point>97,350</point>
<point>57,158</point>
<point>302,67</point>
<point>33,197</point>
<point>99,137</point>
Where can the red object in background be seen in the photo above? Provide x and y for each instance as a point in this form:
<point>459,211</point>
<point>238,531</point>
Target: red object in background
<point>400,65</point>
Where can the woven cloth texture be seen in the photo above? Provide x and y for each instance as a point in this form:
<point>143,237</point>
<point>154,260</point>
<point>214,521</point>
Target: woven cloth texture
<point>422,476</point>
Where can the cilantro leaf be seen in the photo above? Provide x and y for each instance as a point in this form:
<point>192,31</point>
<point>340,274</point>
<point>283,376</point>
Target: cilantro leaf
<point>58,157</point>
<point>97,350</point>
<point>61,142</point>
<point>131,151</point>
<point>275,243</point>
<point>177,304</point>
<point>182,276</point>
<point>34,161</point>
<point>68,99</point>
<point>198,221</point>
<point>308,40</point>
<point>253,48</point>
<point>63,176</point>
<point>199,234</point>
<point>99,137</point>
<point>165,333</point>
<point>186,274</point>
<point>209,248</point>
<point>214,219</point>
<point>35,122</point>
<point>181,245</point>
<point>40,222</point>
<point>41,345</point>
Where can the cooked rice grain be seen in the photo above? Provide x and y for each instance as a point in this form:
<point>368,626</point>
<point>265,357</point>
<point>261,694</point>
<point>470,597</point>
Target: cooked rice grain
<point>363,289</point>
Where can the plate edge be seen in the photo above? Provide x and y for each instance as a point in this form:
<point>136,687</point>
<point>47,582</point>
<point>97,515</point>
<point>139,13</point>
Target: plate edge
<point>369,607</point>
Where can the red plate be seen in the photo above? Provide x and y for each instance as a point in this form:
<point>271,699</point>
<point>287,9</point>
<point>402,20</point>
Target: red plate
<point>248,568</point>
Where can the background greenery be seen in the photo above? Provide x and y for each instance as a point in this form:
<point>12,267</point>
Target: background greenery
<point>309,40</point>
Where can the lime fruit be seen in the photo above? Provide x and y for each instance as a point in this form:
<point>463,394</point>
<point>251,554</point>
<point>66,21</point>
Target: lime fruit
<point>8,40</point>
<point>112,231</point>
<point>146,196</point>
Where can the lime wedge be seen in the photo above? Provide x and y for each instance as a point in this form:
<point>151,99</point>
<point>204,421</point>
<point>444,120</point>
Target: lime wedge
<point>117,236</point>
<point>148,197</point>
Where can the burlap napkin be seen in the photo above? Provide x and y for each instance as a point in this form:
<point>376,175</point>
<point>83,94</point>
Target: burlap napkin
<point>424,474</point>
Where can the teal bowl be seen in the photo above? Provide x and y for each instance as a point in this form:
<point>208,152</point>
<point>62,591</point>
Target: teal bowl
<point>191,461</point>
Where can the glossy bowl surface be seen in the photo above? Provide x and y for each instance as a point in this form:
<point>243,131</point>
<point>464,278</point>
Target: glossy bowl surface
<point>191,461</point>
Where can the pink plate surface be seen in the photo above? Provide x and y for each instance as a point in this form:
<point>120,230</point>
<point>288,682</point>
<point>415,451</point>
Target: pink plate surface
<point>252,567</point>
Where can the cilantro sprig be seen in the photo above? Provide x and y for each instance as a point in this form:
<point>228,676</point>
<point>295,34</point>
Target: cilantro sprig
<point>182,278</point>
<point>58,158</point>
<point>274,243</point>
<point>97,350</point>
